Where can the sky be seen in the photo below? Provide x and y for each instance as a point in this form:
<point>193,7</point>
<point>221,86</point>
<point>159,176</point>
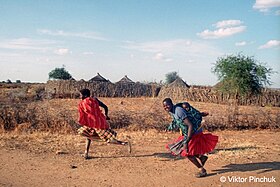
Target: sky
<point>143,39</point>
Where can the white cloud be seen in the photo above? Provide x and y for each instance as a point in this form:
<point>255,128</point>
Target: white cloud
<point>158,46</point>
<point>88,53</point>
<point>270,44</point>
<point>89,35</point>
<point>62,51</point>
<point>26,43</point>
<point>172,49</point>
<point>168,59</point>
<point>221,33</point>
<point>227,23</point>
<point>158,56</point>
<point>131,56</point>
<point>266,5</point>
<point>243,43</point>
<point>161,57</point>
<point>225,28</point>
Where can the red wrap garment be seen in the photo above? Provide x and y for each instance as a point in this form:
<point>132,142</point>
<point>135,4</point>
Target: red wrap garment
<point>91,115</point>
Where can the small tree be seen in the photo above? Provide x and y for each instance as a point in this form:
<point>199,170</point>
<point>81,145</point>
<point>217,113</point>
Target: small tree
<point>172,76</point>
<point>241,74</point>
<point>60,73</point>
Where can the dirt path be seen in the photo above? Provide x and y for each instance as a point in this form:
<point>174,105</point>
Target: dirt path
<point>54,160</point>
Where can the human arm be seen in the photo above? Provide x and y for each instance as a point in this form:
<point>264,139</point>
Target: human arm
<point>203,114</point>
<point>172,126</point>
<point>187,138</point>
<point>188,107</point>
<point>101,104</point>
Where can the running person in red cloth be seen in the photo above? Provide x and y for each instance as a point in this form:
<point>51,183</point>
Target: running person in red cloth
<point>193,143</point>
<point>93,122</point>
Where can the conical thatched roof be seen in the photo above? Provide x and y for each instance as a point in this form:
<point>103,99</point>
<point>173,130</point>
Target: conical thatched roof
<point>176,89</point>
<point>98,78</point>
<point>179,83</point>
<point>125,80</point>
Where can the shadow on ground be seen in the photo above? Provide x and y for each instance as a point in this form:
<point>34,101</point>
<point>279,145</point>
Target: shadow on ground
<point>262,166</point>
<point>164,156</point>
<point>167,156</point>
<point>234,149</point>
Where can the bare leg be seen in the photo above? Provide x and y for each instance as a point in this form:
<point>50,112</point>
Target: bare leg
<point>194,160</point>
<point>115,141</point>
<point>87,148</point>
<point>202,171</point>
<point>203,159</point>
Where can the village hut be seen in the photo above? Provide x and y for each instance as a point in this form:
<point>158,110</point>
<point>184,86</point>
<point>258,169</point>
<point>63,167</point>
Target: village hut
<point>177,89</point>
<point>124,87</point>
<point>128,88</point>
<point>179,83</point>
<point>98,78</point>
<point>125,80</point>
<point>99,86</point>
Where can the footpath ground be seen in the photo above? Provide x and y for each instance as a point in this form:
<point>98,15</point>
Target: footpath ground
<point>247,158</point>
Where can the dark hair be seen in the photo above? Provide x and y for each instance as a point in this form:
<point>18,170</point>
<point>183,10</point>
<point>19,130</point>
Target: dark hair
<point>85,93</point>
<point>168,101</point>
<point>186,104</point>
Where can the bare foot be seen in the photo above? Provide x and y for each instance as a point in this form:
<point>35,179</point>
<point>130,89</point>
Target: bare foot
<point>203,159</point>
<point>85,156</point>
<point>128,144</point>
<point>201,173</point>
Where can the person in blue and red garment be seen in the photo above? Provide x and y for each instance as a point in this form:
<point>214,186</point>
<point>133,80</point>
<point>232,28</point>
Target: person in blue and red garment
<point>192,143</point>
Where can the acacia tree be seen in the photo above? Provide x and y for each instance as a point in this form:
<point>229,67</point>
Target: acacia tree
<point>240,74</point>
<point>172,76</point>
<point>60,73</point>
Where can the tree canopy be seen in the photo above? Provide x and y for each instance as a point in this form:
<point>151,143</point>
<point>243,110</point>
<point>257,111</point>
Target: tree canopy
<point>241,74</point>
<point>60,73</point>
<point>172,76</point>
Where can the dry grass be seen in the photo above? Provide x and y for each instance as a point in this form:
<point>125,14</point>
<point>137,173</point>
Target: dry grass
<point>60,115</point>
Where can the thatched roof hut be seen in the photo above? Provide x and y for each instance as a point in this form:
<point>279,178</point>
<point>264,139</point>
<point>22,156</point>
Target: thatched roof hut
<point>125,80</point>
<point>176,89</point>
<point>179,83</point>
<point>98,78</point>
